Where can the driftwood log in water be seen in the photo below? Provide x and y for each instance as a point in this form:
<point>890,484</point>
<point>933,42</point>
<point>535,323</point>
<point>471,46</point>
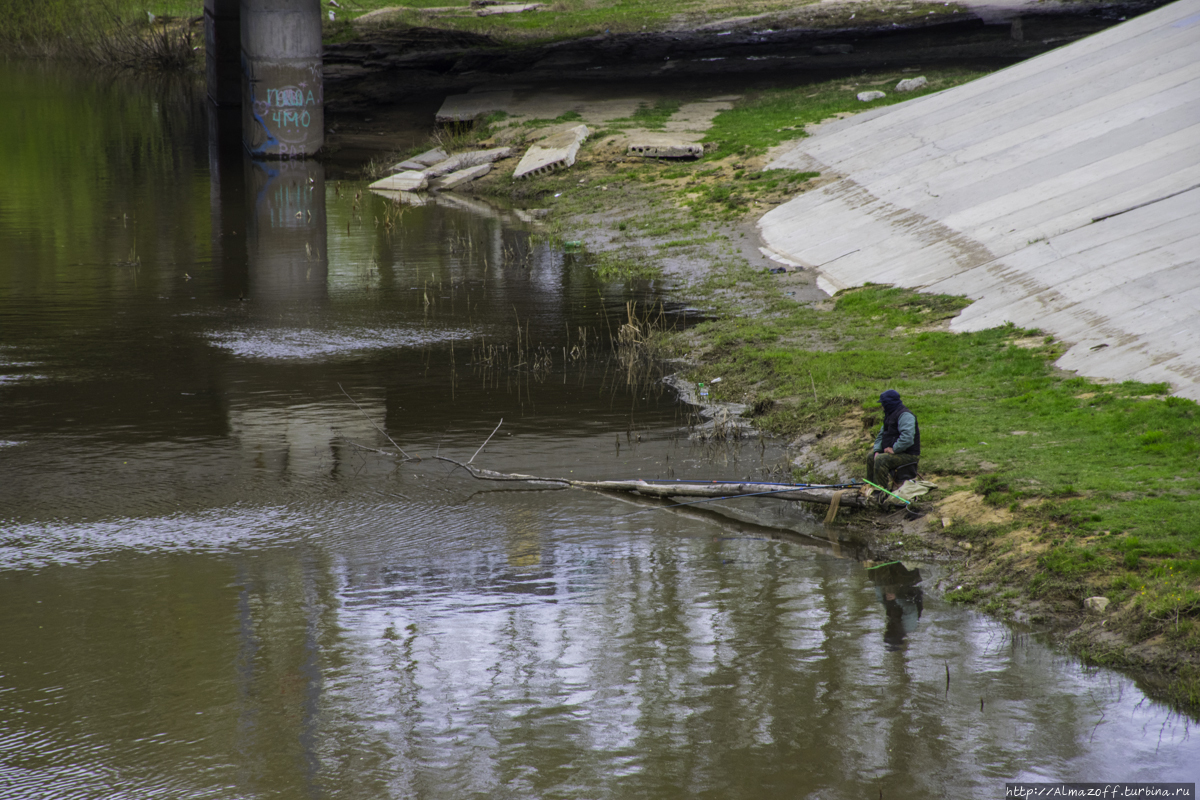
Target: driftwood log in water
<point>849,496</point>
<point>832,496</point>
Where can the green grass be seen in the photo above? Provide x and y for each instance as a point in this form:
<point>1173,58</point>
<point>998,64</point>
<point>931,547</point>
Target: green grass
<point>623,265</point>
<point>765,119</point>
<point>1107,472</point>
<point>573,18</point>
<point>568,18</point>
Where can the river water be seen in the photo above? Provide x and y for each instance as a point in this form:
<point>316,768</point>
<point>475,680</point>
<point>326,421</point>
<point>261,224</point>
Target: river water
<point>211,588</point>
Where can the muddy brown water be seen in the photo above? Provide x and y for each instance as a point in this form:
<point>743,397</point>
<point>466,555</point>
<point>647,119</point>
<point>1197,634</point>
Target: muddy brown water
<point>211,590</point>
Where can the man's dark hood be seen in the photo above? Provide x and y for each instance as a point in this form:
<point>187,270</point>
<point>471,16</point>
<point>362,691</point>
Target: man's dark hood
<point>890,400</point>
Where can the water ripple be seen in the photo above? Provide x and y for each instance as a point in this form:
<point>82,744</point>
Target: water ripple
<point>307,343</point>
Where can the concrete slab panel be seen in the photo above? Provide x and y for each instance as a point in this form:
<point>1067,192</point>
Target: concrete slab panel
<point>460,161</point>
<point>420,162</point>
<point>664,147</point>
<point>409,181</point>
<point>456,179</point>
<point>554,152</point>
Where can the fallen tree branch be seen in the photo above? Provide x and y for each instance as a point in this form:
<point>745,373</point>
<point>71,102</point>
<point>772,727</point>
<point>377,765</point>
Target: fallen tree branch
<point>485,441</point>
<point>381,430</point>
<point>849,496</point>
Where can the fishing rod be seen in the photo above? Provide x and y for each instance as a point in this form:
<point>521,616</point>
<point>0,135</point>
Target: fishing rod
<point>759,483</point>
<point>885,491</point>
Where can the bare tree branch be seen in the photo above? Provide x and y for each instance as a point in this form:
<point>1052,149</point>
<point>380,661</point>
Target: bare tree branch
<point>381,430</point>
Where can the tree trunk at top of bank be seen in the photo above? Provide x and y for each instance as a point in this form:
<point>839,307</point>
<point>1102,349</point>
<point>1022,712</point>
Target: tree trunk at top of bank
<point>283,104</point>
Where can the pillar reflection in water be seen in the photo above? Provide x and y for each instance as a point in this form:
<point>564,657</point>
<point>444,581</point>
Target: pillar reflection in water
<point>287,238</point>
<point>227,199</point>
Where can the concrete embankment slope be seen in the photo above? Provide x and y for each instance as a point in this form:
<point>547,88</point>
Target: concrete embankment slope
<point>1062,193</point>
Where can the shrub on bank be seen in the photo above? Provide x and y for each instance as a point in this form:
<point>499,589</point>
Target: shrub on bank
<point>166,36</point>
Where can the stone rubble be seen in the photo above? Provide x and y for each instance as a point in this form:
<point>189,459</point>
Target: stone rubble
<point>456,179</point>
<point>912,84</point>
<point>449,172</point>
<point>553,152</point>
<point>420,162</point>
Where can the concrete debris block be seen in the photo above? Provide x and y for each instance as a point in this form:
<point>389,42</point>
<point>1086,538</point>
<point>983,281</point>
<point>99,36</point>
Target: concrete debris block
<point>911,84</point>
<point>833,49</point>
<point>455,179</point>
<point>867,97</point>
<point>530,215</point>
<point>410,181</point>
<point>507,8</point>
<point>553,152</point>
<point>472,106</point>
<point>426,159</point>
<point>666,149</point>
<point>403,198</point>
<point>461,161</point>
<point>1096,605</point>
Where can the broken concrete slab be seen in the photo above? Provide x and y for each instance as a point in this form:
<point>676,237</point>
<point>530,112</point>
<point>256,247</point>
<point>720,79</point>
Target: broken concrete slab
<point>507,8</point>
<point>410,181</point>
<point>473,105</point>
<point>664,148</point>
<point>553,152</point>
<point>420,162</point>
<point>461,161</point>
<point>456,179</point>
<point>531,215</point>
<point>403,198</point>
<point>911,84</point>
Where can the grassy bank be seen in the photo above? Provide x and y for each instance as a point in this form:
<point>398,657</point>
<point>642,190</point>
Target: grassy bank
<point>162,35</point>
<point>49,23</point>
<point>564,19</point>
<point>1087,489</point>
<point>1054,488</point>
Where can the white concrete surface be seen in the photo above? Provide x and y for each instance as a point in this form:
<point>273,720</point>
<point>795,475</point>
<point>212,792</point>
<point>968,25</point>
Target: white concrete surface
<point>470,158</point>
<point>407,181</point>
<point>456,179</point>
<point>420,162</point>
<point>1062,193</point>
<point>553,152</point>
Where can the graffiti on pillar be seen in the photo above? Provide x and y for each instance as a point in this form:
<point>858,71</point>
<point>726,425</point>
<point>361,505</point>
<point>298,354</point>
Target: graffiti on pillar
<point>287,112</point>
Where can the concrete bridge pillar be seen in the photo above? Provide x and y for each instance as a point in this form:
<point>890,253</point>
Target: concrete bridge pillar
<point>223,51</point>
<point>282,86</point>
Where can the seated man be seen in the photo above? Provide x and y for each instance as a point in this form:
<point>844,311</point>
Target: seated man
<point>898,445</point>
